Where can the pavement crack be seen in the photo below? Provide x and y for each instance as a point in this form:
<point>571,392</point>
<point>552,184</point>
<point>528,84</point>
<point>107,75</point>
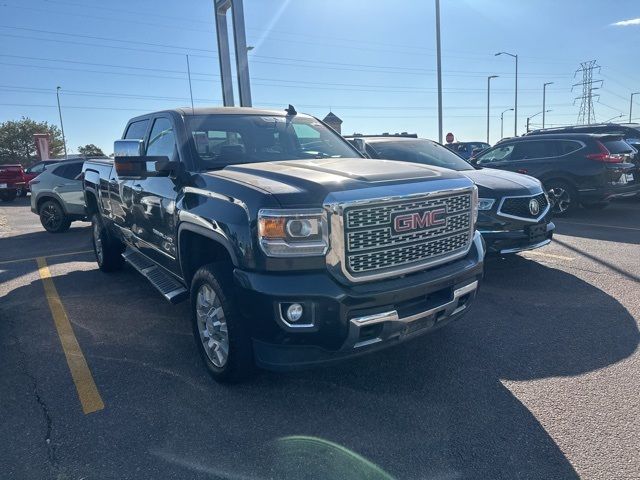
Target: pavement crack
<point>51,450</point>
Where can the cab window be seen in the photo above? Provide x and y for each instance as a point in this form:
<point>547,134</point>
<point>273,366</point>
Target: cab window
<point>162,140</point>
<point>136,130</point>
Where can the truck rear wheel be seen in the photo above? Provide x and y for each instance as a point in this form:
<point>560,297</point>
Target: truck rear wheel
<point>107,249</point>
<point>218,328</point>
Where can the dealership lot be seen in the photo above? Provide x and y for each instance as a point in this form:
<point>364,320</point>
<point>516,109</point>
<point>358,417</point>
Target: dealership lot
<point>540,380</point>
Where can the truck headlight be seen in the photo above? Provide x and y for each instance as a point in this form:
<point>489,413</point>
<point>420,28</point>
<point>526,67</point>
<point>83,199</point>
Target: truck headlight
<point>485,203</point>
<point>293,233</point>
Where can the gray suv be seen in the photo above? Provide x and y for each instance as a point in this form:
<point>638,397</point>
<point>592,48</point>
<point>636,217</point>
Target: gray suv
<point>57,196</point>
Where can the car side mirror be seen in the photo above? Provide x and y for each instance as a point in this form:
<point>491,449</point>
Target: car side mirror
<point>143,167</point>
<point>130,161</point>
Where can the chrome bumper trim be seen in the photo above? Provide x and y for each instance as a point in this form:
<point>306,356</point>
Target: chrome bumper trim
<point>528,247</point>
<point>450,308</point>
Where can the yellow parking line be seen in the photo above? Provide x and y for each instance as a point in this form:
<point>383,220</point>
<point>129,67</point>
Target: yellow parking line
<point>550,255</point>
<point>85,385</point>
<point>48,256</point>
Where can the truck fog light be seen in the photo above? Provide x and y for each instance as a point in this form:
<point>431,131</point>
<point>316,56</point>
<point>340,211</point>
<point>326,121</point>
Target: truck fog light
<point>294,312</point>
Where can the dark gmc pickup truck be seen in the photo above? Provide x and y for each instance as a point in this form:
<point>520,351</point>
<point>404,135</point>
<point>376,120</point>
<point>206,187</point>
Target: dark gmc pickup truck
<point>292,249</point>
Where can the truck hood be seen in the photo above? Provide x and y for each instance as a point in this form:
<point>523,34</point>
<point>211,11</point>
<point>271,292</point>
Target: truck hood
<point>494,183</point>
<point>297,183</point>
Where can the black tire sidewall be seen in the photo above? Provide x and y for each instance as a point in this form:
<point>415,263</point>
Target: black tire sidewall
<point>239,363</point>
<point>111,250</point>
<point>64,224</point>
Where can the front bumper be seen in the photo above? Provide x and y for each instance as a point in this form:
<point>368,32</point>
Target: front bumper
<point>502,242</point>
<point>350,320</point>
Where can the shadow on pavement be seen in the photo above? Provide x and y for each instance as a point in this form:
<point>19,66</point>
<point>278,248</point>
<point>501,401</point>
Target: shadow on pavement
<point>433,408</point>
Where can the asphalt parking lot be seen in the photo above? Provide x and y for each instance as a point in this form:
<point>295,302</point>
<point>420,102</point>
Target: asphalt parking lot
<point>540,380</point>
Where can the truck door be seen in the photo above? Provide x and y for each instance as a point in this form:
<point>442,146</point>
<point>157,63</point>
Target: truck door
<point>120,191</point>
<point>154,200</point>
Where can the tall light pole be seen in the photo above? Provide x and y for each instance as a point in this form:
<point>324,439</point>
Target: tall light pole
<point>488,101</point>
<point>190,89</point>
<point>631,105</point>
<point>515,106</point>
<point>439,63</point>
<point>64,142</point>
<point>544,100</point>
<point>502,122</point>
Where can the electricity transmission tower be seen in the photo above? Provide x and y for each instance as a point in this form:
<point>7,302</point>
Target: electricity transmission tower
<point>589,85</point>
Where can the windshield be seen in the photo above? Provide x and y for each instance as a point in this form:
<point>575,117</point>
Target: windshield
<point>222,140</point>
<point>420,151</point>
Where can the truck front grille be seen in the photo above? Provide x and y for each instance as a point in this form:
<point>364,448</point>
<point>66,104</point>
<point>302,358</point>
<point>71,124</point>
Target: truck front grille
<point>373,245</point>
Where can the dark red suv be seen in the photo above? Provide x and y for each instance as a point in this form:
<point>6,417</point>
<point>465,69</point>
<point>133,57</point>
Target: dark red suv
<point>12,182</point>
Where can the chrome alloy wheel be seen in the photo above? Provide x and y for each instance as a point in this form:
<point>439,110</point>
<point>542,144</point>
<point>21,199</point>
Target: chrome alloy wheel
<point>212,326</point>
<point>97,242</point>
<point>560,199</point>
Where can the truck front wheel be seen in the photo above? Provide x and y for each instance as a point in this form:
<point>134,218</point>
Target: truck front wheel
<point>218,329</point>
<point>108,250</point>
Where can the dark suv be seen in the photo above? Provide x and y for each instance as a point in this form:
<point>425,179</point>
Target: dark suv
<point>630,132</point>
<point>575,169</point>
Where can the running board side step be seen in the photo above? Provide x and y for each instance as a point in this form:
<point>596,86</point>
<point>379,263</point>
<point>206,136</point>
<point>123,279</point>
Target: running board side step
<point>170,288</point>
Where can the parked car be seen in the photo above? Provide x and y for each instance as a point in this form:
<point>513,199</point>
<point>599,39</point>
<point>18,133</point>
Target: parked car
<point>513,208</point>
<point>11,182</point>
<point>293,248</point>
<point>34,170</point>
<point>57,196</point>
<point>575,169</point>
<point>630,132</point>
<point>467,149</point>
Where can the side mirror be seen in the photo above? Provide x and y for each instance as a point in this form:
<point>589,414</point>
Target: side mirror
<point>130,161</point>
<point>143,167</point>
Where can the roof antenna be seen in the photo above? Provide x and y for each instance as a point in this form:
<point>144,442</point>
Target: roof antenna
<point>291,110</point>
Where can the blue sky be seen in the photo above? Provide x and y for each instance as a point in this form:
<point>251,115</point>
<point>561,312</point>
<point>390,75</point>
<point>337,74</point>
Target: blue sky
<point>372,65</point>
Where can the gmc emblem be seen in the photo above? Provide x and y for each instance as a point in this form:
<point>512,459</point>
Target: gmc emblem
<point>419,220</point>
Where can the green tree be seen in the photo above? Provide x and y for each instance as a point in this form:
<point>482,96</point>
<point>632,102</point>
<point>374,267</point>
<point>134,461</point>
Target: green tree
<point>90,150</point>
<point>17,144</point>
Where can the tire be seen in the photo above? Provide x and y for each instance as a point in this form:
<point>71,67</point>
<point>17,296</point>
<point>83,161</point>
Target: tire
<point>53,218</point>
<point>595,206</point>
<point>218,325</point>
<point>107,249</point>
<point>563,197</point>
<point>8,196</point>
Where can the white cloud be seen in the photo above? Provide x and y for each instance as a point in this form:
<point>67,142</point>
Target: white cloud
<point>626,23</point>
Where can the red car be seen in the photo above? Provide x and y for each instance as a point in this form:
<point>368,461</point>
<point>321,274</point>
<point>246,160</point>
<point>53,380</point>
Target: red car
<point>12,182</point>
<point>34,170</point>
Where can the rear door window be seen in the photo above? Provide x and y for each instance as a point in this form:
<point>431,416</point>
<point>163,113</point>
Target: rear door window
<point>533,149</point>
<point>137,130</point>
<point>70,171</point>
<point>617,146</point>
<point>564,147</point>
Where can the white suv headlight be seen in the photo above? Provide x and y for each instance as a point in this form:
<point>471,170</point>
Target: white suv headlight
<point>293,233</point>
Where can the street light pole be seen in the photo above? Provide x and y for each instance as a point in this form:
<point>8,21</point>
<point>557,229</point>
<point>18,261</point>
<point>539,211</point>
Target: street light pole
<point>488,101</point>
<point>544,100</point>
<point>631,104</point>
<point>64,141</point>
<point>439,65</point>
<point>502,122</point>
<point>515,120</point>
